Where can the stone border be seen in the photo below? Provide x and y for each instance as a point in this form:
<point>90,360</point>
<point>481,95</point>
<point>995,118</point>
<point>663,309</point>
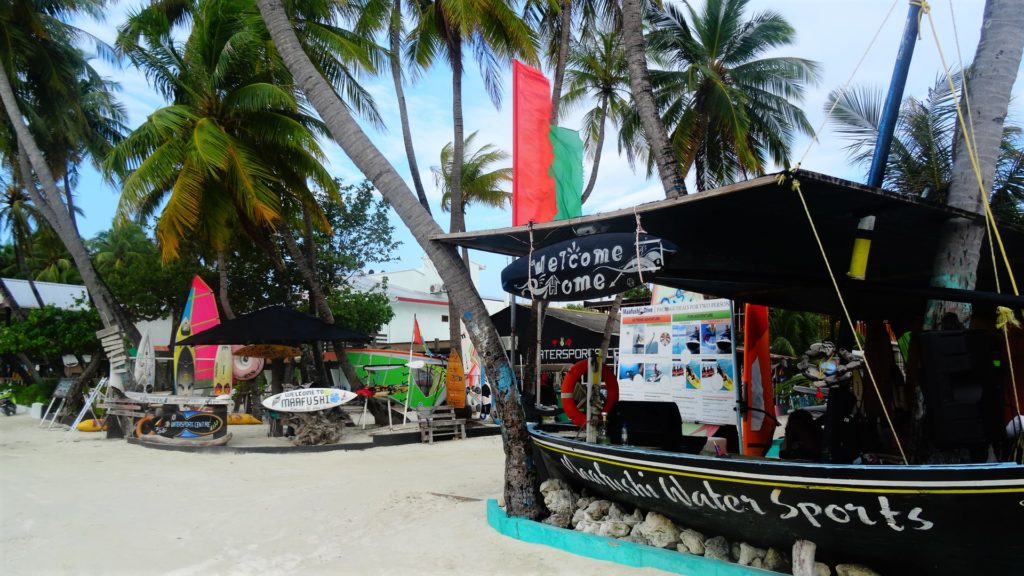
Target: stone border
<point>610,549</point>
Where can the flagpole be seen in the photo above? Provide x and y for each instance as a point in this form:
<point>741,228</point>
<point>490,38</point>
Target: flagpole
<point>408,388</point>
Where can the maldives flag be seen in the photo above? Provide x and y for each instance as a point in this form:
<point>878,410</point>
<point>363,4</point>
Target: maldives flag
<point>547,161</point>
<point>759,419</point>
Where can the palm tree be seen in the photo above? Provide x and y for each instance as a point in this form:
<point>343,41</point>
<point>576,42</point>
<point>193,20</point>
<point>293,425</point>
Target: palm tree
<point>479,185</point>
<point>558,23</point>
<point>40,63</point>
<point>52,260</point>
<point>986,100</point>
<point>920,162</point>
<point>123,246</point>
<point>794,332</point>
<point>521,490</point>
<point>495,34</point>
<point>375,16</point>
<point>18,218</point>
<point>598,69</point>
<point>643,97</point>
<point>233,145</point>
<point>729,111</point>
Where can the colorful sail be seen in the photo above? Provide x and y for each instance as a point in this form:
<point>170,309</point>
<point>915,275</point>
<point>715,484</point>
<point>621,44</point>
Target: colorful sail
<point>759,419</point>
<point>193,365</point>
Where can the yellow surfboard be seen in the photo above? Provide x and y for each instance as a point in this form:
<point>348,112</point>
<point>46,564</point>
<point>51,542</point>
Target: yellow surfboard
<point>222,366</point>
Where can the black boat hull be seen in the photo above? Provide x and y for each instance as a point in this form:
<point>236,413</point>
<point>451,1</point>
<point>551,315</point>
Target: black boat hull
<point>953,519</point>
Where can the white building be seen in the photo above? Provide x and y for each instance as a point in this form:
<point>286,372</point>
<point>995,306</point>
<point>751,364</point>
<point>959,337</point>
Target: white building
<point>75,297</point>
<point>419,292</point>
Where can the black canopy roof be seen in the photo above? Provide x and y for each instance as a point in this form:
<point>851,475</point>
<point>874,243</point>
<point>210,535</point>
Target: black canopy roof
<point>751,241</point>
<point>274,325</point>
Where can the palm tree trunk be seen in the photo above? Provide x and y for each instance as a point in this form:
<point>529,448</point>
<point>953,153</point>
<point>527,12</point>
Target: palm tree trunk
<point>222,288</point>
<point>318,298</point>
<point>996,64</point>
<point>394,36</point>
<point>597,153</point>
<point>458,216</point>
<point>111,312</point>
<point>522,497</point>
<point>564,38</point>
<point>643,97</point>
<point>69,200</point>
<point>19,257</point>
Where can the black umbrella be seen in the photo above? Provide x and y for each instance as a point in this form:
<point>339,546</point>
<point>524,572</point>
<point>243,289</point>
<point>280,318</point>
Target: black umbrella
<point>274,325</point>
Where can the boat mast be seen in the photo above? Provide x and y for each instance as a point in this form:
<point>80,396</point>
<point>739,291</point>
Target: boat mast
<point>886,128</point>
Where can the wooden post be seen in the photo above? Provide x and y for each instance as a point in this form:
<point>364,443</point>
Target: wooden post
<point>803,558</point>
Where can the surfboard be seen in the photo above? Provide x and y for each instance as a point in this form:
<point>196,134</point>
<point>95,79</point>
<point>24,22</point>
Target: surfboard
<point>758,422</point>
<point>184,371</point>
<point>222,370</point>
<point>308,399</point>
<point>455,381</point>
<point>145,365</point>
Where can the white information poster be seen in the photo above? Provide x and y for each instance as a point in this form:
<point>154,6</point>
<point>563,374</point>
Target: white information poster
<point>683,353</point>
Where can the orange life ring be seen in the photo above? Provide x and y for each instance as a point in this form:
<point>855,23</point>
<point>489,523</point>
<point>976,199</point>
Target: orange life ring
<point>572,377</point>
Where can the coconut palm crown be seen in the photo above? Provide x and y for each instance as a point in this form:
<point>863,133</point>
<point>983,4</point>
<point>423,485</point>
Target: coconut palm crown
<point>235,142</point>
<point>480,185</point>
<point>730,110</point>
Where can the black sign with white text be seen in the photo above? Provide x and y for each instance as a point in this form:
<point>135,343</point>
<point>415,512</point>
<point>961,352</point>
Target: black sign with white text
<point>586,267</point>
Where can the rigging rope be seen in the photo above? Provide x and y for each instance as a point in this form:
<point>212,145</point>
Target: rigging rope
<point>846,85</point>
<point>795,185</point>
<point>1005,318</point>
<point>636,244</point>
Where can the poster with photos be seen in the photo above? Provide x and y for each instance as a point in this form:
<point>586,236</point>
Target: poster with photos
<point>681,352</point>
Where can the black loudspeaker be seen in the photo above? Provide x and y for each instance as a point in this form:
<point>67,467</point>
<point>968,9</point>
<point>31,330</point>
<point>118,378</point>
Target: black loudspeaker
<point>650,424</point>
<point>960,389</point>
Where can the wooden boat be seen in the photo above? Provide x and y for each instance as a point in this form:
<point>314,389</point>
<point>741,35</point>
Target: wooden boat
<point>898,519</point>
<point>945,519</point>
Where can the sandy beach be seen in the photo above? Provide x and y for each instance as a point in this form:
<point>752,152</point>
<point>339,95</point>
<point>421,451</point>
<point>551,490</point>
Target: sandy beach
<point>97,506</point>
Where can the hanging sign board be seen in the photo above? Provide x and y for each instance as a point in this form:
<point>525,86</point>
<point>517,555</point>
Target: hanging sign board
<point>63,388</point>
<point>308,399</point>
<point>587,267</point>
<point>681,353</point>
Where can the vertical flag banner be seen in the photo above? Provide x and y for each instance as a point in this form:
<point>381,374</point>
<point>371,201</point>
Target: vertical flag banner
<point>758,422</point>
<point>567,170</point>
<point>533,188</point>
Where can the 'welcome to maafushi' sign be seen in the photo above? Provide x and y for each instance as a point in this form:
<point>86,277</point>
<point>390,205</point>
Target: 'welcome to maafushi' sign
<point>586,267</point>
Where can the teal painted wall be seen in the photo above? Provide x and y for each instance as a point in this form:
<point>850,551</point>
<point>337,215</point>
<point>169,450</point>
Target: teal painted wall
<point>612,550</point>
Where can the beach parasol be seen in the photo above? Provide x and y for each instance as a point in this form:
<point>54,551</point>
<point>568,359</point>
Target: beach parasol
<point>274,325</point>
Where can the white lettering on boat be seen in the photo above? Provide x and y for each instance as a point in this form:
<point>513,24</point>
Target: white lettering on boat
<point>706,496</point>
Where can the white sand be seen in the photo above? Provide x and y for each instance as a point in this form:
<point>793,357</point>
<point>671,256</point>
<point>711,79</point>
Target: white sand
<point>97,506</point>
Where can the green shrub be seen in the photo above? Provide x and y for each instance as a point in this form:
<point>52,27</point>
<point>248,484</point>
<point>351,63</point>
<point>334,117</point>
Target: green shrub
<point>39,391</point>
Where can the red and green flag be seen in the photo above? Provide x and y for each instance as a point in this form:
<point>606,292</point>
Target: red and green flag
<point>547,161</point>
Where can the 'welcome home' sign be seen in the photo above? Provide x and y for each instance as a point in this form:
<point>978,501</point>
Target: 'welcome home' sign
<point>587,267</point>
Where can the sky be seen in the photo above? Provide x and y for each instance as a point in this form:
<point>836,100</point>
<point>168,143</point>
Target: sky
<point>834,33</point>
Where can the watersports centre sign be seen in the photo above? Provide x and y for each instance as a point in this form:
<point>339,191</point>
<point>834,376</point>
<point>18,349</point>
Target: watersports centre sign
<point>587,267</point>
